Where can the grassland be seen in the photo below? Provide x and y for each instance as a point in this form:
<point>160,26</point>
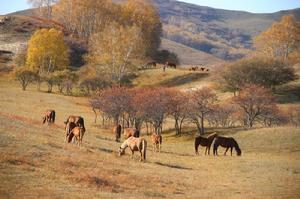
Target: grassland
<point>36,163</point>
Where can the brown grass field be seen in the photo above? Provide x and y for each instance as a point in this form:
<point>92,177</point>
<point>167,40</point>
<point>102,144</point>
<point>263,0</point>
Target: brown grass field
<point>36,163</point>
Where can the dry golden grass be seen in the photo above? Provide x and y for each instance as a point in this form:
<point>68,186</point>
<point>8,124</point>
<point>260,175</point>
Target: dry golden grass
<point>36,163</point>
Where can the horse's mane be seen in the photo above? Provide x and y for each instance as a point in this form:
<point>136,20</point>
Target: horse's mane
<point>237,148</point>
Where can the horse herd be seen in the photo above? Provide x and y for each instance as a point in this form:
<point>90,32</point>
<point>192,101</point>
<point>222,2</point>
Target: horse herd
<point>74,128</point>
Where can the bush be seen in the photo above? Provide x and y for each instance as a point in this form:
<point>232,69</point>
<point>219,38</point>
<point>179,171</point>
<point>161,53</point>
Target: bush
<point>24,76</point>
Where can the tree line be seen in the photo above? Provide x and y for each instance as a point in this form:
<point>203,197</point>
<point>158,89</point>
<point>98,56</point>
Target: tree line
<point>133,107</point>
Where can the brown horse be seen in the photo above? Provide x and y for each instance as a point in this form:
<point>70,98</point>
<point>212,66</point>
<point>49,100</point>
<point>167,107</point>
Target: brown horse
<point>135,144</point>
<point>226,142</point>
<point>49,116</point>
<point>156,142</point>
<point>69,127</point>
<point>78,120</point>
<point>117,131</point>
<point>204,142</point>
<point>128,132</point>
<point>78,133</point>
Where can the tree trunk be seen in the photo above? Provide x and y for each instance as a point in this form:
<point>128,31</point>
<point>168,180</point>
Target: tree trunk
<point>202,124</point>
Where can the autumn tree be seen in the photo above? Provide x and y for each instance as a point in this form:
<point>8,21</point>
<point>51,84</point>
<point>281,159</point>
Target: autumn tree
<point>281,39</point>
<point>267,72</point>
<point>115,50</point>
<point>254,101</point>
<point>222,115</point>
<point>202,102</point>
<point>24,76</point>
<point>178,108</point>
<point>145,16</point>
<point>44,6</point>
<point>86,17</point>
<point>47,51</point>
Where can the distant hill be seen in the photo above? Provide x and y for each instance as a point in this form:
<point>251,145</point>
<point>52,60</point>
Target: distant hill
<point>223,33</point>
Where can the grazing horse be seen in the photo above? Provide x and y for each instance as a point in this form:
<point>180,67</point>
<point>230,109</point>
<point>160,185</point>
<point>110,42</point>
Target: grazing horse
<point>78,133</point>
<point>128,132</point>
<point>135,144</point>
<point>171,65</point>
<point>226,142</point>
<point>49,116</point>
<point>117,131</point>
<point>156,142</point>
<point>78,120</point>
<point>69,127</point>
<point>204,142</point>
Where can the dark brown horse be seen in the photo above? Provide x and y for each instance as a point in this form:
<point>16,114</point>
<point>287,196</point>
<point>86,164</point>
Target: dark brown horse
<point>128,132</point>
<point>69,127</point>
<point>204,142</point>
<point>171,65</point>
<point>226,142</point>
<point>49,116</point>
<point>78,120</point>
<point>117,131</point>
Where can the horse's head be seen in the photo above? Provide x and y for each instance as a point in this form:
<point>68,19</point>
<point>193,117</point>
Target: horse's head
<point>121,151</point>
<point>238,152</point>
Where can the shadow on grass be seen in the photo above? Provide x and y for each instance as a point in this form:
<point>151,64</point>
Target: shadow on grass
<point>106,150</point>
<point>172,166</point>
<point>288,94</point>
<point>184,79</point>
<point>104,138</point>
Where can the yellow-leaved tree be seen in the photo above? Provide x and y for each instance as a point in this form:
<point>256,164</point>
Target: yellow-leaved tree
<point>144,15</point>
<point>281,40</point>
<point>115,50</point>
<point>47,51</point>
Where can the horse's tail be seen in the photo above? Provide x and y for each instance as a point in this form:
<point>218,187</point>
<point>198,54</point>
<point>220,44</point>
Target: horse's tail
<point>144,148</point>
<point>196,145</point>
<point>53,116</point>
<point>237,148</point>
<point>83,127</point>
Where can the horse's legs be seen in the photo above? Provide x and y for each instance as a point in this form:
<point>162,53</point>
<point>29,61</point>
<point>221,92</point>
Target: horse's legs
<point>231,151</point>
<point>132,154</point>
<point>159,147</point>
<point>153,144</point>
<point>226,150</point>
<point>208,147</point>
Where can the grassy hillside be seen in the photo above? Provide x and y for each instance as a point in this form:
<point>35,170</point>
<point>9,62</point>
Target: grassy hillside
<point>36,163</point>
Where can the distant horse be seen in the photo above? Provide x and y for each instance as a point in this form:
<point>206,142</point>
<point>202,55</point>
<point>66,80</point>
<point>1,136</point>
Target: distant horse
<point>156,142</point>
<point>204,142</point>
<point>194,68</point>
<point>135,144</point>
<point>49,116</point>
<point>78,120</point>
<point>78,133</point>
<point>171,65</point>
<point>226,142</point>
<point>117,131</point>
<point>128,132</point>
<point>151,64</point>
<point>68,128</point>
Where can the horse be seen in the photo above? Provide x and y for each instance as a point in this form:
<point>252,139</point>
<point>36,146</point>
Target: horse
<point>78,133</point>
<point>117,131</point>
<point>156,142</point>
<point>226,142</point>
<point>69,127</point>
<point>204,142</point>
<point>151,64</point>
<point>49,116</point>
<point>128,132</point>
<point>171,65</point>
<point>135,144</point>
<point>78,120</point>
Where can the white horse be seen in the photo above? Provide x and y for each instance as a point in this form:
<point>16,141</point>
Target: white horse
<point>135,144</point>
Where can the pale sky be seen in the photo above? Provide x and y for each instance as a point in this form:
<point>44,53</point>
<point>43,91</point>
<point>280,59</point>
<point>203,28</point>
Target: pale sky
<point>257,6</point>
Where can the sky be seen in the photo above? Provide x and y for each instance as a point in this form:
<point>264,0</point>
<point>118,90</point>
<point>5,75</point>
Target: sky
<point>256,6</point>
